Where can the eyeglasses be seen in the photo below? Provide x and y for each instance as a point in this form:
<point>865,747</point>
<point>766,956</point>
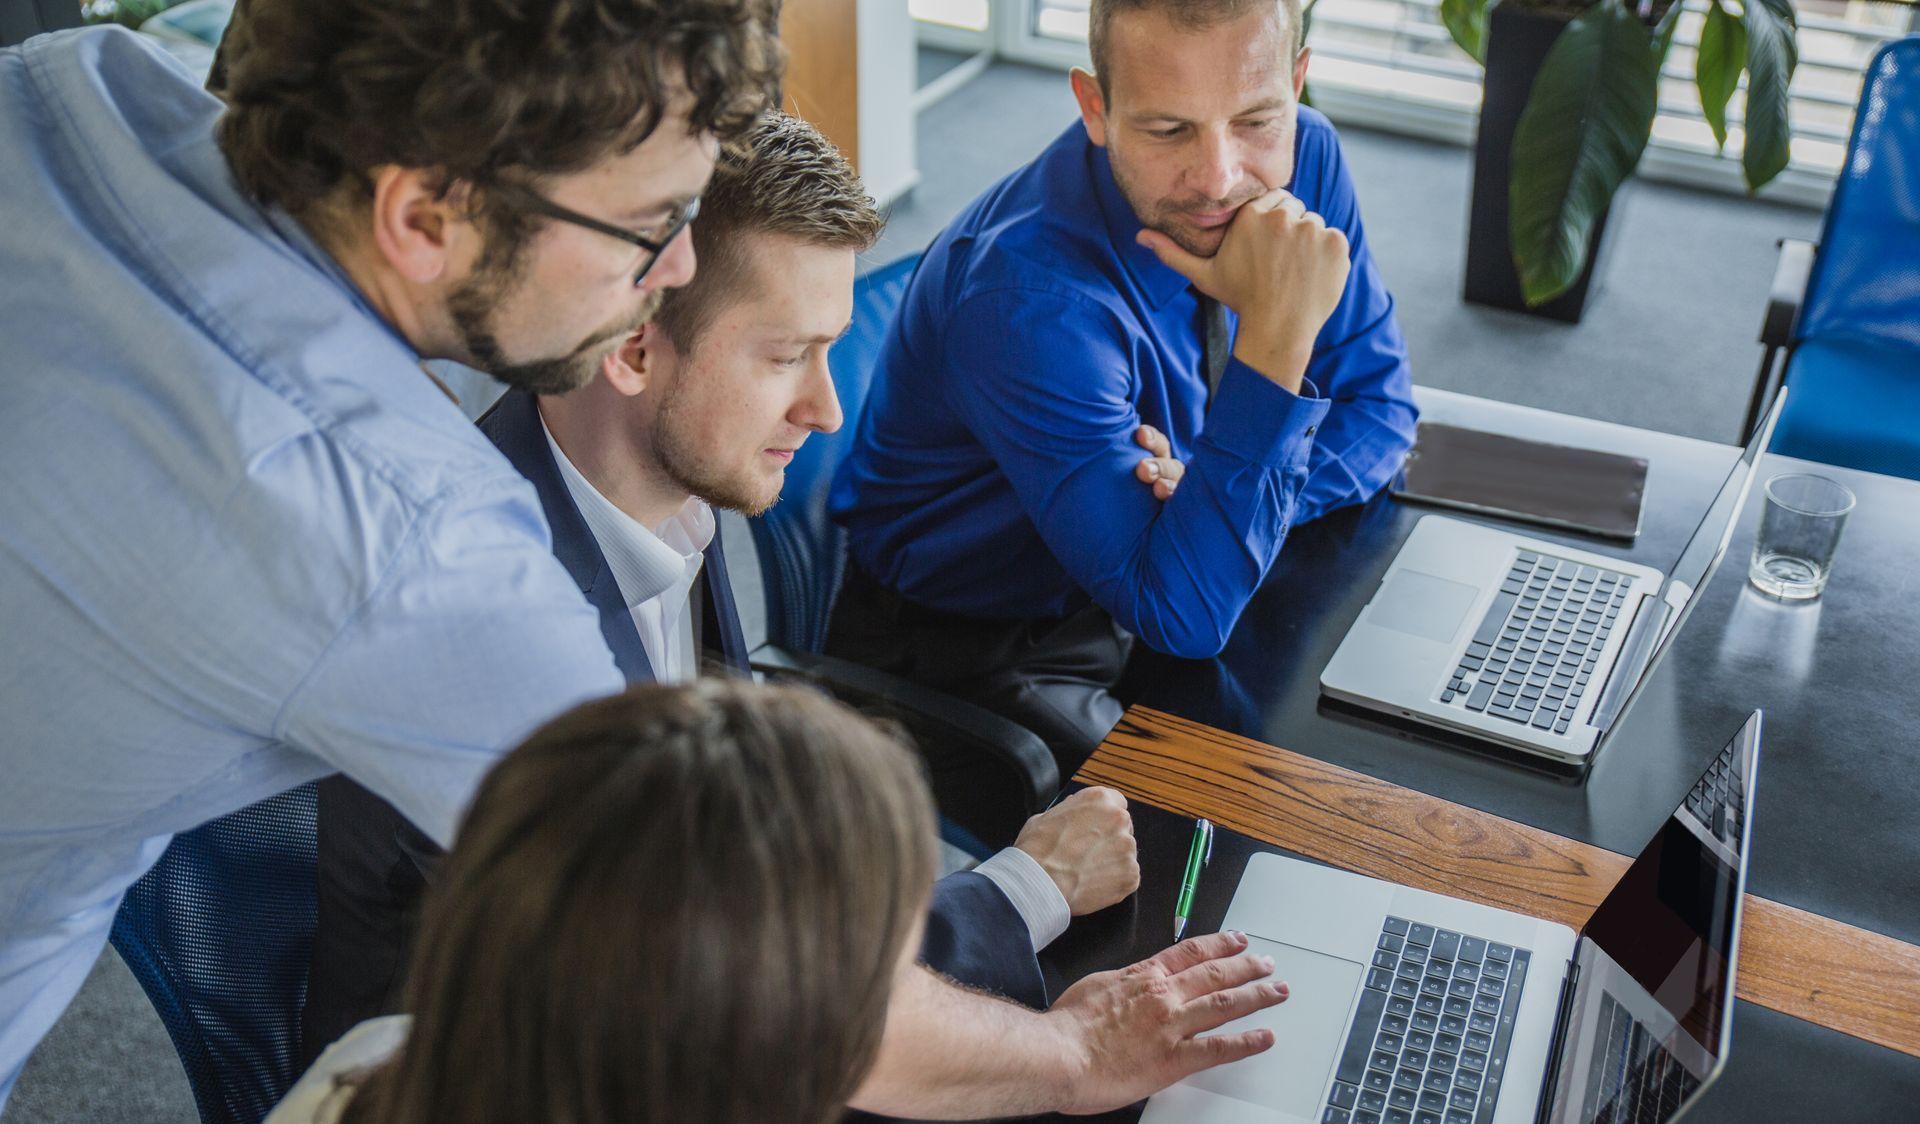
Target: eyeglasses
<point>530,200</point>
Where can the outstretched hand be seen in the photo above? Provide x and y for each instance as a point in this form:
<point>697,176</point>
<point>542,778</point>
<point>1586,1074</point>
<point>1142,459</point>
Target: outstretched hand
<point>1142,1028</point>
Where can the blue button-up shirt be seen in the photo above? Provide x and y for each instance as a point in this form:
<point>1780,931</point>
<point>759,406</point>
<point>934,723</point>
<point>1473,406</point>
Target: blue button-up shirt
<point>244,540</point>
<point>992,469</point>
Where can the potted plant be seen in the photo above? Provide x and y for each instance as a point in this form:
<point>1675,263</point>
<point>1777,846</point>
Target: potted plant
<point>1571,90</point>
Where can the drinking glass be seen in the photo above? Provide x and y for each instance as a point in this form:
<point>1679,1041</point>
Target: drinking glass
<point>1799,531</point>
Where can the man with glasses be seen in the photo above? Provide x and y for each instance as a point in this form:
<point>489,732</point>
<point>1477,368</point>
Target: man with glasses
<point>245,540</point>
<point>703,408</point>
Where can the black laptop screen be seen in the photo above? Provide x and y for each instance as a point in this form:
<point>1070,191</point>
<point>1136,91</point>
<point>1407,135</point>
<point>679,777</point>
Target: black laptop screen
<point>1648,1020</point>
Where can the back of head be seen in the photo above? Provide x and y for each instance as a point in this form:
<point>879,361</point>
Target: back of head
<point>681,904</point>
<point>322,92</point>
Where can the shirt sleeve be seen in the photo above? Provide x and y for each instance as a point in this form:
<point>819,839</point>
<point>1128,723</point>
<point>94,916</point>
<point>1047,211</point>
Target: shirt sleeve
<point>1359,359</point>
<point>1035,896</point>
<point>473,636</point>
<point>1044,381</point>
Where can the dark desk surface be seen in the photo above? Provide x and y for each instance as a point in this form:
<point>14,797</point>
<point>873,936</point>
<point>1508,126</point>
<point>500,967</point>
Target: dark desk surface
<point>1836,824</point>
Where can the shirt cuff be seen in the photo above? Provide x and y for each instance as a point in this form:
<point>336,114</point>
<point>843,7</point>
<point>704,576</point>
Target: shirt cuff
<point>1257,419</point>
<point>1032,891</point>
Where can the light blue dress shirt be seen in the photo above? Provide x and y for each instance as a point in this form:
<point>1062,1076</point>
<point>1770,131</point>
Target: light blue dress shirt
<point>244,540</point>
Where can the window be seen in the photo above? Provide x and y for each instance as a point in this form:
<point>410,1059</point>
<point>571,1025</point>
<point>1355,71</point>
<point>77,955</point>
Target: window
<point>1391,64</point>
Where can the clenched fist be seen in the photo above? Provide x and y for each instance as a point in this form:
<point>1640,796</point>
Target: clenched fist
<point>1085,844</point>
<point>1281,268</point>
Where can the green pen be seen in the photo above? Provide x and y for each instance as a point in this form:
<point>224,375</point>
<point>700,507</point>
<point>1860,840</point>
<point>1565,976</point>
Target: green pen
<point>1197,856</point>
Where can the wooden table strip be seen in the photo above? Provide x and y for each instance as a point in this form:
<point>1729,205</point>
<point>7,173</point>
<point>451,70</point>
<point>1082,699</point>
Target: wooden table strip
<point>1844,978</point>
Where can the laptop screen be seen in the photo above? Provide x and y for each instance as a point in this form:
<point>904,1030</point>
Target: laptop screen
<point>1648,1023</point>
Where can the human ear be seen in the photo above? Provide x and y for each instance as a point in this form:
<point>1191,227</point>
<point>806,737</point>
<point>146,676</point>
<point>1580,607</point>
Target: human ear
<point>1093,106</point>
<point>416,227</point>
<point>629,367</point>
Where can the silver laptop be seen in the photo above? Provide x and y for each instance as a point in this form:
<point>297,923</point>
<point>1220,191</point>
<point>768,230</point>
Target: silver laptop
<point>1409,1007</point>
<point>1529,644</point>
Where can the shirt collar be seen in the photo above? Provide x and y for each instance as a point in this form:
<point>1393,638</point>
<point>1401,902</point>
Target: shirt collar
<point>1159,282</point>
<point>308,247</point>
<point>645,563</point>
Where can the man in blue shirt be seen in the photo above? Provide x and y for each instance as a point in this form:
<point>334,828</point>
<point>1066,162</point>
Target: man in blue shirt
<point>1188,258</point>
<point>245,540</point>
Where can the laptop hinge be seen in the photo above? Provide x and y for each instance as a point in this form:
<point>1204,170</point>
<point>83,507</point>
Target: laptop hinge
<point>1562,1021</point>
<point>1642,635</point>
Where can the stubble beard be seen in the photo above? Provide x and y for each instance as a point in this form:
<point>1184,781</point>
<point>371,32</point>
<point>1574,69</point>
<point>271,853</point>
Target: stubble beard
<point>679,451</point>
<point>474,305</point>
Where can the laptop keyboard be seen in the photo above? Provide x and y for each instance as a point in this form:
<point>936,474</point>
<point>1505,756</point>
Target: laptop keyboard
<point>1533,657</point>
<point>1636,1081</point>
<point>1429,1042</point>
<point>1719,801</point>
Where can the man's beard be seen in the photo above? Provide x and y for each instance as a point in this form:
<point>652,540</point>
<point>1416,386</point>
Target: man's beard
<point>678,450</point>
<point>1158,215</point>
<point>474,304</point>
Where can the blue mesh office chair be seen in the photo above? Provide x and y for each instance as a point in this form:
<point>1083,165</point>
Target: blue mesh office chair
<point>219,933</point>
<point>1848,314</point>
<point>988,774</point>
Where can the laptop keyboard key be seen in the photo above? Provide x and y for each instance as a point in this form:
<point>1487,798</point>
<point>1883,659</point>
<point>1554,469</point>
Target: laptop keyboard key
<point>1420,934</point>
<point>1377,1081</point>
<point>1336,1116</point>
<point>1343,1095</point>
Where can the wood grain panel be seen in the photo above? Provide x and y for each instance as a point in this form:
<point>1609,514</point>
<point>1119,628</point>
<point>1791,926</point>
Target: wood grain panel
<point>1801,964</point>
<point>823,56</point>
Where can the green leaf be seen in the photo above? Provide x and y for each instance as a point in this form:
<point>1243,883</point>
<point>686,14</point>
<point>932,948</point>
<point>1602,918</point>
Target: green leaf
<point>1466,20</point>
<point>1771,57</point>
<point>1585,125</point>
<point>1723,54</point>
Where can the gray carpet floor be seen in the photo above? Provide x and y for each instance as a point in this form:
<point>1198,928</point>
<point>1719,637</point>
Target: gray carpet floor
<point>1668,344</point>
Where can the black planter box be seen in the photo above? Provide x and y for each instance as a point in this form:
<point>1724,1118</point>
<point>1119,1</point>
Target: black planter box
<point>1517,43</point>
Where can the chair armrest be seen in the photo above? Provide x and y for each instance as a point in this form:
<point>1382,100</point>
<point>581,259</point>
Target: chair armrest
<point>988,773</point>
<point>1789,290</point>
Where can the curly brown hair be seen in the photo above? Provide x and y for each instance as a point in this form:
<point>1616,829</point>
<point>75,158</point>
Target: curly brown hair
<point>323,91</point>
<point>784,178</point>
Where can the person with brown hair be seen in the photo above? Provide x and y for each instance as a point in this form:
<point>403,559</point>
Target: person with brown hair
<point>252,541</point>
<point>702,409</point>
<point>642,920</point>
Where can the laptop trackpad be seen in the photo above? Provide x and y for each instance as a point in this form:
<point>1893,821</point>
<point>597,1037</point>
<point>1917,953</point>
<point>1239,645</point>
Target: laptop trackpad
<point>1422,605</point>
<point>1291,1076</point>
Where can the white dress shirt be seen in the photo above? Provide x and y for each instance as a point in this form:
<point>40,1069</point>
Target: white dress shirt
<point>655,570</point>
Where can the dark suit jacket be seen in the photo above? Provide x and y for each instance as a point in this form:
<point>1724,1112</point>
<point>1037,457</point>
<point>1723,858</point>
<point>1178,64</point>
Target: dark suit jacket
<point>374,864</point>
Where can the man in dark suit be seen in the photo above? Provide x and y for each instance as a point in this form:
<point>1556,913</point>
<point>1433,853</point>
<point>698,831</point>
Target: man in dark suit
<point>703,409</point>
